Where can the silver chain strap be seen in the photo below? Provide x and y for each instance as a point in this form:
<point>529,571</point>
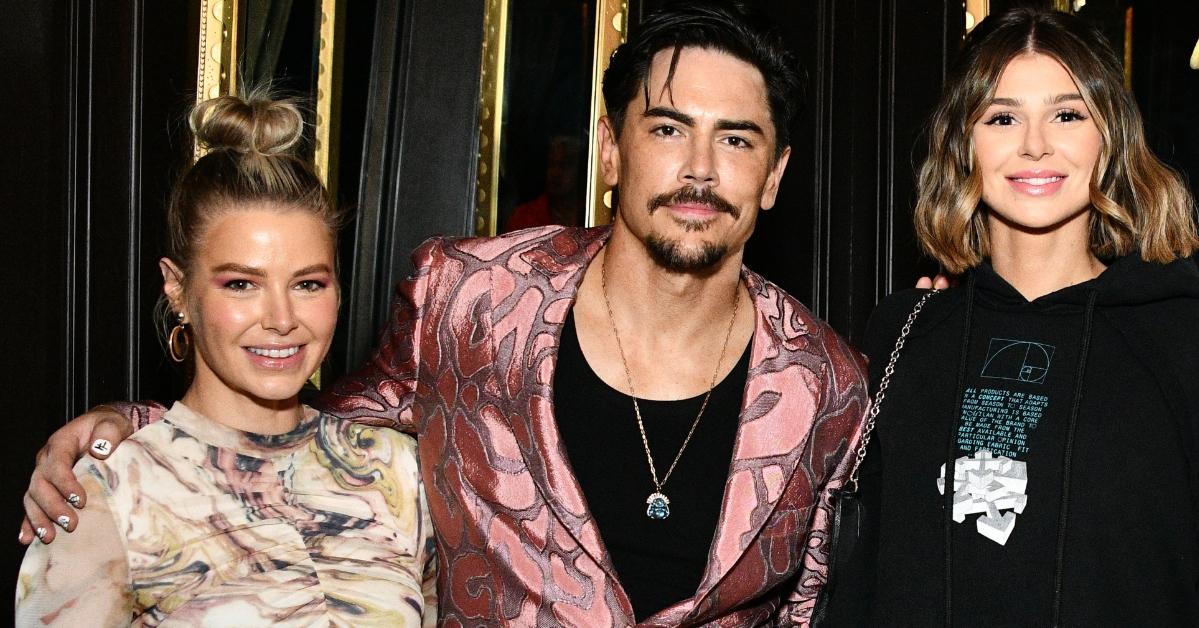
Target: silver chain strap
<point>872,414</point>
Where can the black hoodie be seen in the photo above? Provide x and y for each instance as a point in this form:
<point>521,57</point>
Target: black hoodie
<point>1072,422</point>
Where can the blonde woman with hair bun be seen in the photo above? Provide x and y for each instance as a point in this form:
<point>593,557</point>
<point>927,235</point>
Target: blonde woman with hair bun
<point>241,506</point>
<point>1034,461</point>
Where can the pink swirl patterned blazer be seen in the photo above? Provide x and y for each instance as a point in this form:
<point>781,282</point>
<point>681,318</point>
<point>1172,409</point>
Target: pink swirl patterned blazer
<point>467,362</point>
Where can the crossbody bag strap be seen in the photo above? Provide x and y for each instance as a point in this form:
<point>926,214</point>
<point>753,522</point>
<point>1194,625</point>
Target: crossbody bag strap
<point>876,404</point>
<point>847,509</point>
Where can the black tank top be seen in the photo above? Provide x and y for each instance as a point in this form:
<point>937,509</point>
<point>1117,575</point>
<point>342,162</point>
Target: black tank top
<point>659,562</point>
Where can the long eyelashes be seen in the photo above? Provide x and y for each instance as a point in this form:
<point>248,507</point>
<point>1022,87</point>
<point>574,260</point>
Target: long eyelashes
<point>1062,115</point>
<point>1069,115</point>
<point>307,285</point>
<point>1001,119</point>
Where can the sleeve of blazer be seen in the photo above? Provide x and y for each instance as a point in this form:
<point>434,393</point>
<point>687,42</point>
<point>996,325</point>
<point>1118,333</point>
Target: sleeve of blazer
<point>383,390</point>
<point>837,432</point>
<point>140,413</point>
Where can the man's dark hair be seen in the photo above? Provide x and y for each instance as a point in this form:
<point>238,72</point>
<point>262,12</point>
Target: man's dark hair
<point>728,27</point>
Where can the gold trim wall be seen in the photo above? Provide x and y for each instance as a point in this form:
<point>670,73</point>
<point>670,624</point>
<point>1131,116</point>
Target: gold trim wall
<point>217,72</point>
<point>611,18</point>
<point>491,117</point>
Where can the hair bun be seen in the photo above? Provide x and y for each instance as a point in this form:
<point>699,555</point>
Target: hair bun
<point>253,124</point>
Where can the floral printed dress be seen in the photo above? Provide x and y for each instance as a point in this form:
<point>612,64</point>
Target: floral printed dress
<point>194,523</point>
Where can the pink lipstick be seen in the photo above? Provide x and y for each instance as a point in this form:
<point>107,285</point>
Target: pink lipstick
<point>276,357</point>
<point>1037,182</point>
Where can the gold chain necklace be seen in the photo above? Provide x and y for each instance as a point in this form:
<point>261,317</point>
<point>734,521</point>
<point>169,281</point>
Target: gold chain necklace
<point>657,504</point>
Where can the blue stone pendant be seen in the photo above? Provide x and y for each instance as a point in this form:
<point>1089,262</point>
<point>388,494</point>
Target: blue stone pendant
<point>659,506</point>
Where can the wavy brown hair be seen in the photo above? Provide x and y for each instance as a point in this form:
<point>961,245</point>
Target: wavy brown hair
<point>1137,202</point>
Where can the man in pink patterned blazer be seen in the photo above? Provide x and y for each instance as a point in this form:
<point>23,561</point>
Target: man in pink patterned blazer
<point>620,424</point>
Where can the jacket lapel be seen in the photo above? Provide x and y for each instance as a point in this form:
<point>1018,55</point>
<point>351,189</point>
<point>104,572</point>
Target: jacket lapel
<point>554,270</point>
<point>779,404</point>
<point>782,392</point>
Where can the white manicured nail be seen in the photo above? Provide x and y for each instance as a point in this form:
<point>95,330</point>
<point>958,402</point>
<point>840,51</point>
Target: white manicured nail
<point>41,533</point>
<point>74,500</point>
<point>63,521</point>
<point>101,447</point>
<point>20,536</point>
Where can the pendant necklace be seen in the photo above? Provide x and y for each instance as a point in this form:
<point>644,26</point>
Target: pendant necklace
<point>657,504</point>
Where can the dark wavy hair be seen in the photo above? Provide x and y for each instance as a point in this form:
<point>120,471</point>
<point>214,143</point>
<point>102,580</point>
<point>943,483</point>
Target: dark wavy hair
<point>1137,202</point>
<point>728,27</point>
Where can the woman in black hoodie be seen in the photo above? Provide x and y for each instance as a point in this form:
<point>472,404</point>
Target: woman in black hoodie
<point>1059,382</point>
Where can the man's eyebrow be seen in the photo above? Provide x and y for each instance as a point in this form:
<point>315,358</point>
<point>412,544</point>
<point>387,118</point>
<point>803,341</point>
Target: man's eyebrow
<point>721,125</point>
<point>238,268</point>
<point>667,112</point>
<point>739,125</point>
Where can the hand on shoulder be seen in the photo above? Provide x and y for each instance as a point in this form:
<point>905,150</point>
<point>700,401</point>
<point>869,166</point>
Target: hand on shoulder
<point>940,282</point>
<point>54,492</point>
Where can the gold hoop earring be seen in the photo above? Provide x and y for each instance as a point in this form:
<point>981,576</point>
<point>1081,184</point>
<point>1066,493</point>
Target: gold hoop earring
<point>173,341</point>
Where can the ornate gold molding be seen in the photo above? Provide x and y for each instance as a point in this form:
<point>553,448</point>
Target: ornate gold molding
<point>491,116</point>
<point>611,17</point>
<point>328,91</point>
<point>976,11</point>
<point>216,72</point>
<point>219,53</point>
<point>327,131</point>
<point>611,30</point>
<point>216,67</point>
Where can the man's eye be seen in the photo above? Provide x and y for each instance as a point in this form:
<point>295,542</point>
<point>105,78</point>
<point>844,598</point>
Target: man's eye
<point>666,131</point>
<point>737,142</point>
<point>238,284</point>
<point>1001,119</point>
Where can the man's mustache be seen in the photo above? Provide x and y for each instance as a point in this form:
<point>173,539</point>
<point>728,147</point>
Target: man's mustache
<point>691,196</point>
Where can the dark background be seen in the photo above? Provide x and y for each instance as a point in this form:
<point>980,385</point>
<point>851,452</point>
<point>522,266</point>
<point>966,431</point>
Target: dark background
<point>96,90</point>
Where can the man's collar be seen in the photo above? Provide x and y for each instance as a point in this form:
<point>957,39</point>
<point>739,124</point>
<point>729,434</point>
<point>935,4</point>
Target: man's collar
<point>567,251</point>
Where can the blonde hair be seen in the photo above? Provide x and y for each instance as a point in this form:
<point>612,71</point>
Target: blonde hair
<point>253,144</point>
<point>253,159</point>
<point>1138,203</point>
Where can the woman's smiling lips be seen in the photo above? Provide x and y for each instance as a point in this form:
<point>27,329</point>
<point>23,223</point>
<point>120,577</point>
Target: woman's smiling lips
<point>276,357</point>
<point>1037,182</point>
